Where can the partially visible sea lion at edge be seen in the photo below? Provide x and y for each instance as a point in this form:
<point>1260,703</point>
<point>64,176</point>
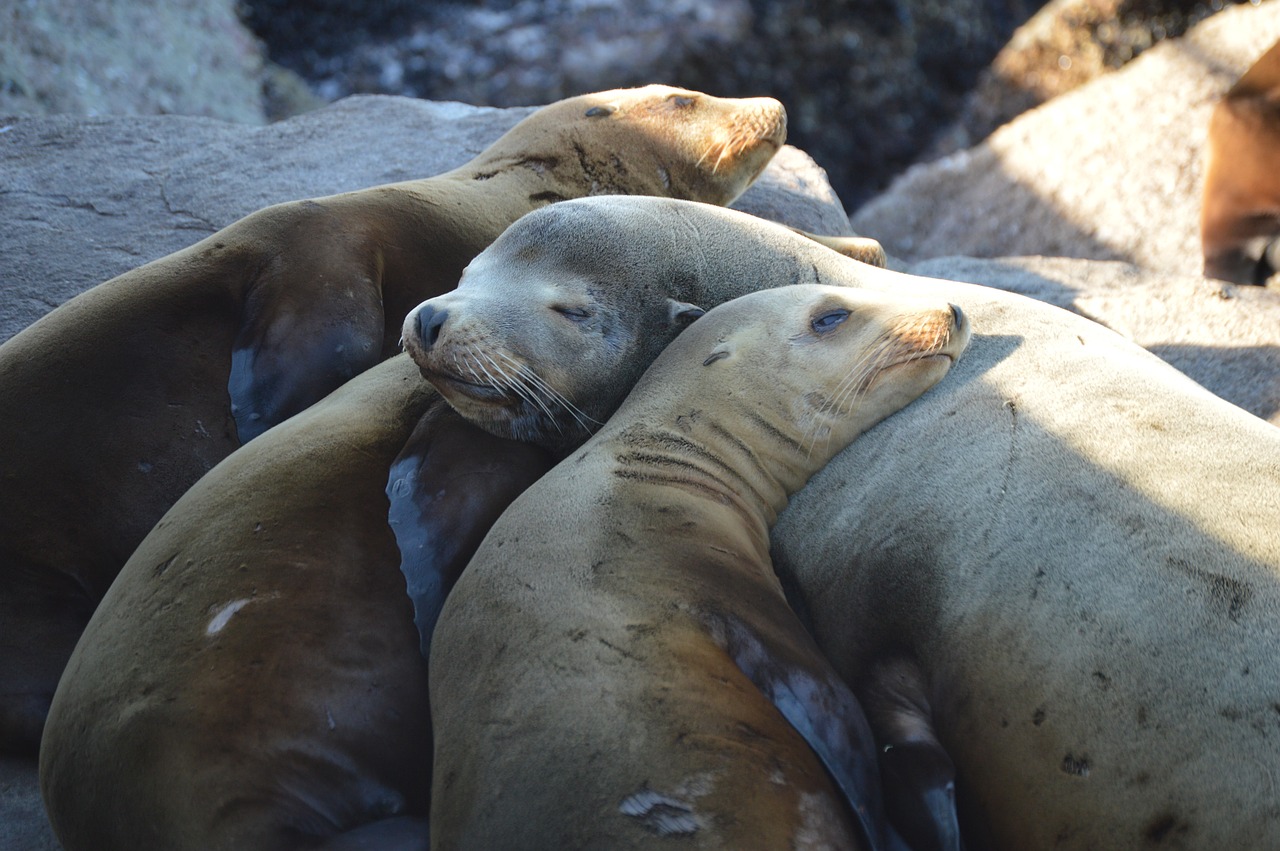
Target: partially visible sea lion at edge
<point>117,401</point>
<point>1240,207</point>
<point>1077,546</point>
<point>617,667</point>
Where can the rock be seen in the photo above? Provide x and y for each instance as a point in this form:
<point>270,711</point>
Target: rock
<point>1064,45</point>
<point>1225,337</point>
<point>867,84</point>
<point>87,199</point>
<point>1109,171</point>
<point>129,57</point>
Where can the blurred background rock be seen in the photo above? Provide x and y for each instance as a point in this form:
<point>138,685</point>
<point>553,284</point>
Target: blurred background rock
<point>871,86</point>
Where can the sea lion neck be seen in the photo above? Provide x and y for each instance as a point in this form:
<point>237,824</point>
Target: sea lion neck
<point>712,468</point>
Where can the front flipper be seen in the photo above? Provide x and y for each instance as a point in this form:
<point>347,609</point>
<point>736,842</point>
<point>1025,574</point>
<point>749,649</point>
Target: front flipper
<point>918,775</point>
<point>815,701</point>
<point>308,325</point>
<point>447,487</point>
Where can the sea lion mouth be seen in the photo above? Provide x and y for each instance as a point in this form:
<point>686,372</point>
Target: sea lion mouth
<point>448,383</point>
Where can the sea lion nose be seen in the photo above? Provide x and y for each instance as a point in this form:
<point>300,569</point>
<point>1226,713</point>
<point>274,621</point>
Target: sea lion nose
<point>957,315</point>
<point>430,322</point>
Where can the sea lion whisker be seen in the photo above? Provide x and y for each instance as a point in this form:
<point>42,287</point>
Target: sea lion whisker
<point>584,421</point>
<point>513,383</point>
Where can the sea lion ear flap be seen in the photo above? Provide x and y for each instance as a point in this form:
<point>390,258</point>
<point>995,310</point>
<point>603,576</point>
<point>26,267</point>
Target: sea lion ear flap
<point>681,313</point>
<point>722,350</point>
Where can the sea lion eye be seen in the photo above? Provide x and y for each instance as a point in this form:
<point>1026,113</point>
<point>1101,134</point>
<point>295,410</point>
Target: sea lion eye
<point>605,109</point>
<point>826,321</point>
<point>681,100</point>
<point>577,314</point>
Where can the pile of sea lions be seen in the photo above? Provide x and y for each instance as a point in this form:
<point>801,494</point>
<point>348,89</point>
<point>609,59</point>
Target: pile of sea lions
<point>669,525</point>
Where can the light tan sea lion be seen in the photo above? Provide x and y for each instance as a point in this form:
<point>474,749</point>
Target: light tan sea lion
<point>1078,548</point>
<point>1068,545</point>
<point>617,666</point>
<point>116,402</point>
<point>1240,208</point>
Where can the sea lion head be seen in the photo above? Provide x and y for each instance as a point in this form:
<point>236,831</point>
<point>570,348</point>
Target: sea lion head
<point>653,140</point>
<point>546,333</point>
<point>804,369</point>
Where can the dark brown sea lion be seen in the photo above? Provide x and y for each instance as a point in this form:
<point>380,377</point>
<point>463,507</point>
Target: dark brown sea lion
<point>116,402</point>
<point>1240,208</point>
<point>617,667</point>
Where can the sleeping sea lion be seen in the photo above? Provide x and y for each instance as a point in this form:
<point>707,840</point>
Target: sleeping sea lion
<point>117,401</point>
<point>617,666</point>
<point>1075,548</point>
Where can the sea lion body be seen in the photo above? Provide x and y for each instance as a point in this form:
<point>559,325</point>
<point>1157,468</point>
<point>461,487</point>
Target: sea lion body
<point>1071,541</point>
<point>1240,208</point>
<point>172,366</point>
<point>252,679</point>
<point>594,674</point>
<point>1078,547</point>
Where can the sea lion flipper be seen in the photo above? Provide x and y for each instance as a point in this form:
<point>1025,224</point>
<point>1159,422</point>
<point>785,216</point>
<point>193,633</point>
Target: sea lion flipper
<point>823,710</point>
<point>861,248</point>
<point>446,488</point>
<point>297,342</point>
<point>918,774</point>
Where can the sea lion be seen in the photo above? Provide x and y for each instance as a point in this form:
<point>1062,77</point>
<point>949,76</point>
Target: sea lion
<point>1076,547</point>
<point>1068,545</point>
<point>617,666</point>
<point>550,327</point>
<point>170,367</point>
<point>1240,206</point>
<point>252,679</point>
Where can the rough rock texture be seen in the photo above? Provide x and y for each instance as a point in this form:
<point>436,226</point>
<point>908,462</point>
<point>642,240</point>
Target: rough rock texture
<point>1225,337</point>
<point>84,200</point>
<point>129,57</point>
<point>867,83</point>
<point>1110,171</point>
<point>1064,45</point>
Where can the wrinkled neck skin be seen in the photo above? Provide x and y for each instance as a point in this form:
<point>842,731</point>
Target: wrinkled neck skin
<point>705,470</point>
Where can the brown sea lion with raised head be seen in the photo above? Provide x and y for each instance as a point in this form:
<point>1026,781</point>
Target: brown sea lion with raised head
<point>617,667</point>
<point>1240,206</point>
<point>170,367</point>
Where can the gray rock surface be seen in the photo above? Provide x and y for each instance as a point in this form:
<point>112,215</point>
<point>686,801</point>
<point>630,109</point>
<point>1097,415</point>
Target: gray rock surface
<point>86,199</point>
<point>1111,170</point>
<point>1225,337</point>
<point>129,57</point>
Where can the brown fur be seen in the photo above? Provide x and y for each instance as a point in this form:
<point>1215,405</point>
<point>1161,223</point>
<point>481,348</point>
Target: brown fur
<point>120,397</point>
<point>583,682</point>
<point>1240,212</point>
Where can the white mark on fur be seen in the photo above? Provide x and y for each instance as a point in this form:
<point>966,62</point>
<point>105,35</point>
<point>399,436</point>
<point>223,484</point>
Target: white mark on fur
<point>669,815</point>
<point>660,814</point>
<point>223,615</point>
<point>820,824</point>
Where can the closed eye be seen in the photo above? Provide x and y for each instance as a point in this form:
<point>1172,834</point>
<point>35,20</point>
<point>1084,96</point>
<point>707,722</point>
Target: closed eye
<point>577,314</point>
<point>681,100</point>
<point>824,322</point>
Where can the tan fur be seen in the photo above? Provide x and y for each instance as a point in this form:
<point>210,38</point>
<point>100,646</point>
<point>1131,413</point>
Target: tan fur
<point>1078,546</point>
<point>580,693</point>
<point>1240,208</point>
<point>121,395</point>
